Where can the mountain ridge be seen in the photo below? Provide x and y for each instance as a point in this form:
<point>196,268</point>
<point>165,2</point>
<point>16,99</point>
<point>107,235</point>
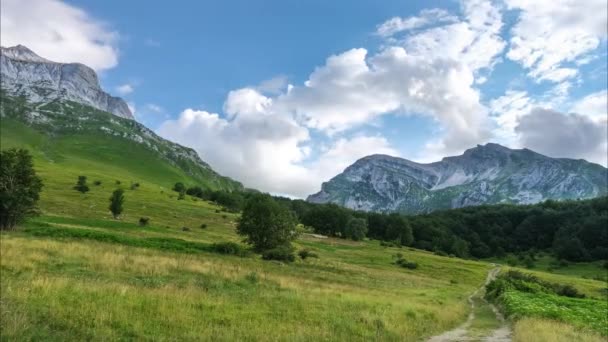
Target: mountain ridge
<point>24,73</point>
<point>485,174</point>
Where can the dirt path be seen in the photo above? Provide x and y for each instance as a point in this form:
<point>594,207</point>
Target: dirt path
<point>462,332</point>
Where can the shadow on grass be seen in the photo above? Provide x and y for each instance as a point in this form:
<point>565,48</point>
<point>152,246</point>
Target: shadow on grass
<point>166,244</point>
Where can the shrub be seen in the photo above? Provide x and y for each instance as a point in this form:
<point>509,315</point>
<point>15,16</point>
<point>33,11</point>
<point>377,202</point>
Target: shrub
<point>134,186</point>
<point>203,225</point>
<point>307,253</point>
<point>81,184</point>
<point>143,221</point>
<point>224,216</point>
<point>217,211</point>
<point>19,187</point>
<point>116,202</point>
<point>252,277</point>
<point>97,183</point>
<point>230,248</point>
<point>117,182</point>
<point>181,196</point>
<point>281,253</point>
<point>185,229</point>
<point>401,261</point>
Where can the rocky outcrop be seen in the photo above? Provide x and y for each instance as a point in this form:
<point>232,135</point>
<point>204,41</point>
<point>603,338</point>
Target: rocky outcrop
<point>24,73</point>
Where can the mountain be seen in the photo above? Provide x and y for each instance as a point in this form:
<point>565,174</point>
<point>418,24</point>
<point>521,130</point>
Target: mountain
<point>24,73</point>
<point>60,113</point>
<point>485,174</point>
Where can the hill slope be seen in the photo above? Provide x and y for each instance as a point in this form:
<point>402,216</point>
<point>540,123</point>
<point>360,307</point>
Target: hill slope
<point>482,175</point>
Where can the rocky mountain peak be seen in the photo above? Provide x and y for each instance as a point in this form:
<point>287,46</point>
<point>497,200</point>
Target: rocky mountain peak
<point>24,73</point>
<point>22,53</point>
<point>484,174</point>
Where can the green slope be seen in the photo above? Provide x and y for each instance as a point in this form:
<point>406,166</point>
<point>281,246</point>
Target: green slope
<point>77,137</point>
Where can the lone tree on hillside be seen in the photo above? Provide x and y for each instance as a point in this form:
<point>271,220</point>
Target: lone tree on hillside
<point>81,184</point>
<point>179,187</point>
<point>116,202</point>
<point>266,224</point>
<point>19,187</point>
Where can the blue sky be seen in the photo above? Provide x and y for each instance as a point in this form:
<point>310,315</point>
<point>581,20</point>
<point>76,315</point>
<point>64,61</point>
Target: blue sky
<point>283,95</point>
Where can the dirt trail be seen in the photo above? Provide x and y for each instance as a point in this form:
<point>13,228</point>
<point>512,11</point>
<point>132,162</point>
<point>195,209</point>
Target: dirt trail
<point>461,333</point>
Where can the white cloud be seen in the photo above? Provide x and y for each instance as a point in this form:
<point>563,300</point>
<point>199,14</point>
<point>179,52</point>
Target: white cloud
<point>425,18</point>
<point>351,89</point>
<point>474,40</point>
<point>125,89</point>
<point>564,135</point>
<point>246,101</point>
<point>59,32</point>
<point>274,85</point>
<point>266,151</point>
<point>154,108</point>
<point>552,33</point>
<point>594,105</point>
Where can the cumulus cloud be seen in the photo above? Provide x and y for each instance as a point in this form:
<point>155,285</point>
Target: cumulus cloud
<point>266,151</point>
<point>564,135</point>
<point>125,89</point>
<point>549,34</point>
<point>59,32</point>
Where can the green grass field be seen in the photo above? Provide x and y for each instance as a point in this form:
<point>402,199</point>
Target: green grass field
<point>76,274</point>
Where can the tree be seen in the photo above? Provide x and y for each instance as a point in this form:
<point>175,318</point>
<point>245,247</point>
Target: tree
<point>19,187</point>
<point>179,187</point>
<point>356,229</point>
<point>266,224</point>
<point>81,184</point>
<point>116,202</point>
<point>399,229</point>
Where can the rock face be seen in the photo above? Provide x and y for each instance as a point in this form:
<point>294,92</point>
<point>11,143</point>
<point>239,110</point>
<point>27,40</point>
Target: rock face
<point>24,73</point>
<point>485,174</point>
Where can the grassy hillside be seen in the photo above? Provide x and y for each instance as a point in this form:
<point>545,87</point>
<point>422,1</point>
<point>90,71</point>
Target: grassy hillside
<point>76,274</point>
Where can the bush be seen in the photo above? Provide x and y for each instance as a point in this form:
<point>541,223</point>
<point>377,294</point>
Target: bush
<point>19,187</point>
<point>181,196</point>
<point>307,253</point>
<point>203,226</point>
<point>281,253</point>
<point>143,221</point>
<point>401,261</point>
<point>185,229</point>
<point>134,186</point>
<point>117,182</point>
<point>97,183</point>
<point>230,248</point>
<point>224,216</point>
<point>81,184</point>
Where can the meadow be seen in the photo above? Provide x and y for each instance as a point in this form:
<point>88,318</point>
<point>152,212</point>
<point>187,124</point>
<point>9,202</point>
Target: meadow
<point>74,273</point>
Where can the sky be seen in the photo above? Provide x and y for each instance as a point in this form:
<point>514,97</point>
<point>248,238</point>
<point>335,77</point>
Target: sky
<point>283,95</point>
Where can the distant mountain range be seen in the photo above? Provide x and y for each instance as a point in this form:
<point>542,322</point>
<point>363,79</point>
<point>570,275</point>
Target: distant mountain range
<point>486,174</point>
<point>65,101</point>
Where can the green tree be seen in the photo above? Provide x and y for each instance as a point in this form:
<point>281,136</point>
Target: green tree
<point>266,224</point>
<point>399,229</point>
<point>179,187</point>
<point>116,202</point>
<point>356,229</point>
<point>19,187</point>
<point>81,184</point>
